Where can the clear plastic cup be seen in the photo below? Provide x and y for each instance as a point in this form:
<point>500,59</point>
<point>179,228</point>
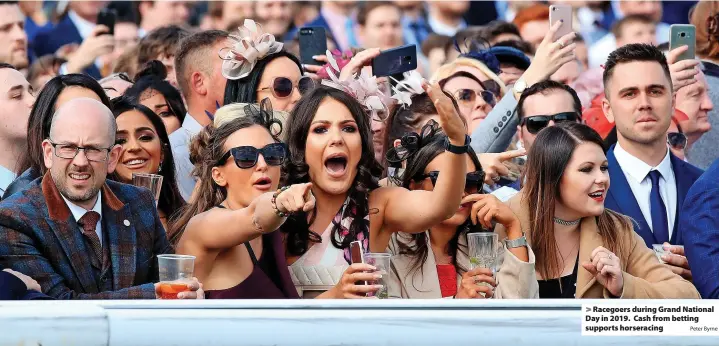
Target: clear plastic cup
<point>152,182</point>
<point>176,271</point>
<point>381,261</point>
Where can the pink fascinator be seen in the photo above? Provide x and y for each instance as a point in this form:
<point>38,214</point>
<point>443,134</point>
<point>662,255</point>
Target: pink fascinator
<point>363,87</point>
<point>247,47</point>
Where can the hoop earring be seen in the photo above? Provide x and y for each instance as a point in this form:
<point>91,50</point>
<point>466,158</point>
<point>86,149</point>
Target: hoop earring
<point>159,170</point>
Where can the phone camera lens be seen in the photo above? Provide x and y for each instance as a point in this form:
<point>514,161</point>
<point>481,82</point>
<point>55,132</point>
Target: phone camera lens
<point>682,34</point>
<point>408,58</point>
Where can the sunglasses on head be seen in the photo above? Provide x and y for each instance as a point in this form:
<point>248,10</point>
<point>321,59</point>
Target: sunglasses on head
<point>473,184</point>
<point>677,140</point>
<point>536,123</point>
<point>469,96</point>
<point>282,86</point>
<point>246,156</point>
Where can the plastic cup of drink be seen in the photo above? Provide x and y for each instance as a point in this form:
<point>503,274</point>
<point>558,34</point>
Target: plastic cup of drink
<point>381,261</point>
<point>176,271</point>
<point>152,182</point>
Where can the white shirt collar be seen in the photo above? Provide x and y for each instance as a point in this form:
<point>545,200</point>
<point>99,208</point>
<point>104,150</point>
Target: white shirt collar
<point>638,169</point>
<point>78,211</point>
<point>444,29</point>
<point>191,125</point>
<point>83,26</point>
<point>6,177</point>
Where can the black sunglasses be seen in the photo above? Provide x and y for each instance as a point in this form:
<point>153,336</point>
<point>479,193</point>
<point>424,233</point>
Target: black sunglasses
<point>536,123</point>
<point>677,140</point>
<point>473,184</point>
<point>282,86</point>
<point>246,157</point>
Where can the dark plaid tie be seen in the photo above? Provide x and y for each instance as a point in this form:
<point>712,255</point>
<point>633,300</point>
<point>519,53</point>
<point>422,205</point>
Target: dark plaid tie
<point>88,222</point>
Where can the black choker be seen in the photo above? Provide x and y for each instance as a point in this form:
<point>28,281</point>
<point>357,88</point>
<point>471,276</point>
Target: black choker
<point>566,223</point>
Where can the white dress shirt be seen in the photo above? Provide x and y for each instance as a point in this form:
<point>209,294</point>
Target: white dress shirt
<point>637,173</point>
<point>6,177</point>
<point>444,29</point>
<point>180,144</point>
<point>78,212</point>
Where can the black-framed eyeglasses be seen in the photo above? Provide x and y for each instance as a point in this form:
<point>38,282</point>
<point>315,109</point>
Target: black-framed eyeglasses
<point>677,140</point>
<point>282,86</point>
<point>69,151</point>
<point>536,123</point>
<point>474,183</point>
<point>246,156</point>
<point>467,97</point>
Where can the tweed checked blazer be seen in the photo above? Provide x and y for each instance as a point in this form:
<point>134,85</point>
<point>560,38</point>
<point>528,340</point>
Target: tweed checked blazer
<point>39,237</point>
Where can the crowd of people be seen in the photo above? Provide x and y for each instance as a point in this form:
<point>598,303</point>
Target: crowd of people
<point>585,153</point>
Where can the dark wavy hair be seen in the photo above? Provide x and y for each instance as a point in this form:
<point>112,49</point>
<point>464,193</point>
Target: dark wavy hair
<point>431,147</point>
<point>152,77</point>
<point>170,198</point>
<point>296,170</point>
<point>43,110</point>
<point>207,148</point>
<point>244,90</point>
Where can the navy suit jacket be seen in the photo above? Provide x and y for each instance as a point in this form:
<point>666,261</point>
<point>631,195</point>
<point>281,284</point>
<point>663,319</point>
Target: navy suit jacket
<point>621,199</point>
<point>50,40</point>
<point>39,237</point>
<point>700,226</point>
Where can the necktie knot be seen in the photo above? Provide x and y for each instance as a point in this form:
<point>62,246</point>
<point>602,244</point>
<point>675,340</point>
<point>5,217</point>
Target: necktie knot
<point>654,175</point>
<point>88,222</point>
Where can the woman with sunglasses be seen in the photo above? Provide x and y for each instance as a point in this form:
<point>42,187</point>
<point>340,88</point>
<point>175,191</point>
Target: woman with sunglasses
<point>152,90</point>
<point>273,74</point>
<point>331,146</point>
<point>475,97</point>
<point>146,149</point>
<point>584,250</point>
<point>230,224</point>
<point>435,263</point>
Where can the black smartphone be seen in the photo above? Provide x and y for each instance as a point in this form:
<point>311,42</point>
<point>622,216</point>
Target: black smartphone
<point>395,61</point>
<point>313,41</point>
<point>107,17</point>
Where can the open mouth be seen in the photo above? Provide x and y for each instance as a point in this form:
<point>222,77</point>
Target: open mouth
<point>263,183</point>
<point>336,165</point>
<point>597,195</point>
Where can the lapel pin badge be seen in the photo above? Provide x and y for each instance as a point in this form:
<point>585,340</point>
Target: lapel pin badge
<point>127,223</point>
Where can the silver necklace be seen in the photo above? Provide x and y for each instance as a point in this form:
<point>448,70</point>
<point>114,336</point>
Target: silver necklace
<point>566,223</point>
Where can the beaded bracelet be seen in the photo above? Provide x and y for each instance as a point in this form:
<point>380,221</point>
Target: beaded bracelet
<point>274,201</point>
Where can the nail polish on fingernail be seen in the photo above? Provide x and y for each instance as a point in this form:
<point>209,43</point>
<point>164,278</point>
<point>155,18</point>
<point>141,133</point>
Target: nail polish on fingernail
<point>561,20</point>
<point>377,276</point>
<point>379,287</point>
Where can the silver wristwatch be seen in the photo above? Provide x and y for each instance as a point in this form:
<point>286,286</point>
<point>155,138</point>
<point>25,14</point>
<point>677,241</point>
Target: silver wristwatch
<point>511,244</point>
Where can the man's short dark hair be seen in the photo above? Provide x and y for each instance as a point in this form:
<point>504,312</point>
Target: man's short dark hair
<point>630,53</point>
<point>545,87</point>
<point>160,42</point>
<point>368,6</point>
<point>621,24</point>
<point>194,50</point>
<point>499,27</point>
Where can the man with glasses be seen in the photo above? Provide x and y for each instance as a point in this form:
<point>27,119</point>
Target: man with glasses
<point>78,235</point>
<point>544,104</point>
<point>649,184</point>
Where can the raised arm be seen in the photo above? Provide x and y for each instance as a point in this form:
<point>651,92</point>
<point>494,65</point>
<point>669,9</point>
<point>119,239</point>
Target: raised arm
<point>416,211</point>
<point>224,228</point>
